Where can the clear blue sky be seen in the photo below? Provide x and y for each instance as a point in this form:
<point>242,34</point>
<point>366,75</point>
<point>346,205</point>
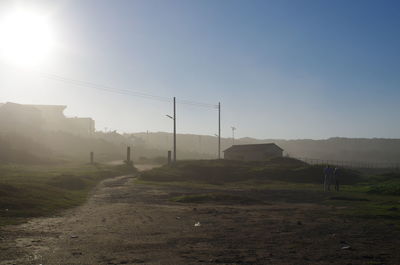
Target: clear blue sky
<point>281,69</point>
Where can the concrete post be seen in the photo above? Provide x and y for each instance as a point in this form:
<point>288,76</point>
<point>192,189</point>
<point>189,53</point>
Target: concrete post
<point>128,154</point>
<point>169,157</point>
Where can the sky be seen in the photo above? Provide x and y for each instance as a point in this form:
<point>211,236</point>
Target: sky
<point>281,69</point>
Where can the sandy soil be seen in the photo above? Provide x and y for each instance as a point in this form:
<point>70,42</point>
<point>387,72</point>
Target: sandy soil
<point>128,223</point>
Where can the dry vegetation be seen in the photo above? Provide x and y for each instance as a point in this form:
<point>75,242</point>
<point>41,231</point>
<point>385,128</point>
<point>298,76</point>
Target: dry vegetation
<point>38,190</point>
<point>372,195</point>
<point>247,213</point>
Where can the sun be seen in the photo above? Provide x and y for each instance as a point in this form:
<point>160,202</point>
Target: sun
<point>26,38</point>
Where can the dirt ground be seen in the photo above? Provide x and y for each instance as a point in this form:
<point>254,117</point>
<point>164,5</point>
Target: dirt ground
<point>128,223</point>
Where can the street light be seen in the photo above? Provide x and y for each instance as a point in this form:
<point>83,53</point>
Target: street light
<point>174,119</point>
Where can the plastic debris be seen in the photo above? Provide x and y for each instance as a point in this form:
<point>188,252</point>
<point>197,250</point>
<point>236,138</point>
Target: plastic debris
<point>74,236</point>
<point>197,224</point>
<point>345,247</point>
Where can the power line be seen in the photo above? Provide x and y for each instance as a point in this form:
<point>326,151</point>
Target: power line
<point>102,87</point>
<point>110,89</point>
<point>200,104</point>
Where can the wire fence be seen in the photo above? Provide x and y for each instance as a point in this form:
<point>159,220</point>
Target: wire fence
<point>351,164</point>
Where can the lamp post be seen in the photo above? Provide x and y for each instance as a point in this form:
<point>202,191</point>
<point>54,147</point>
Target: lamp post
<point>174,119</point>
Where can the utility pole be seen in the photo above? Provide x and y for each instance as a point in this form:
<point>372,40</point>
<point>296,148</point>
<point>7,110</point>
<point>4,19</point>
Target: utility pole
<point>200,149</point>
<point>233,135</point>
<point>218,155</point>
<point>174,130</point>
<point>219,130</point>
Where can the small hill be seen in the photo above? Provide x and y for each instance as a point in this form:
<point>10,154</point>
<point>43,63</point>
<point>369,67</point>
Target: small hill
<point>227,171</point>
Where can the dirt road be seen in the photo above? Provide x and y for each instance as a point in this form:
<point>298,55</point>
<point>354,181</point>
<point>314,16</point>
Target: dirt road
<point>128,223</point>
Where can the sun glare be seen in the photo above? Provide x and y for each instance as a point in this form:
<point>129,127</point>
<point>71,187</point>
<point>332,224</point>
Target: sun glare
<point>26,38</point>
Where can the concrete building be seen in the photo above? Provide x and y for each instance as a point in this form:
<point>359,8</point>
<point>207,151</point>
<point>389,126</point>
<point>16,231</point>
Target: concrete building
<point>21,117</point>
<point>253,152</point>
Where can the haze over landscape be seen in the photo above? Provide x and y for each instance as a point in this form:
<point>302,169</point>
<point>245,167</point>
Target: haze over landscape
<point>281,69</point>
<point>199,132</point>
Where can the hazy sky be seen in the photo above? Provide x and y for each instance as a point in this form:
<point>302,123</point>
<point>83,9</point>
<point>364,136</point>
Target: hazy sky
<point>281,69</point>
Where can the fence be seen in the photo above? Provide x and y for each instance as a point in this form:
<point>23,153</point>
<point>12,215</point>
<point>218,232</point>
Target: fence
<point>351,164</point>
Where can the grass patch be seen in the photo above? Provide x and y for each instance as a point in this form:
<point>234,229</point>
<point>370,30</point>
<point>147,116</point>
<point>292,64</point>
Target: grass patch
<point>387,188</point>
<point>32,191</point>
<point>361,196</point>
<point>366,205</point>
<point>387,184</point>
<point>223,172</point>
<point>344,198</point>
<point>219,198</point>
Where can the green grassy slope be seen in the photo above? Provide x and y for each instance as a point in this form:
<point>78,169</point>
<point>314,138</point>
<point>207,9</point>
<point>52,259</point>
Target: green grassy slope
<point>226,171</point>
<point>282,179</point>
<point>31,191</point>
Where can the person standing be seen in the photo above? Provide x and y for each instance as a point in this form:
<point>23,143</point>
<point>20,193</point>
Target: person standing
<point>336,173</point>
<point>327,173</point>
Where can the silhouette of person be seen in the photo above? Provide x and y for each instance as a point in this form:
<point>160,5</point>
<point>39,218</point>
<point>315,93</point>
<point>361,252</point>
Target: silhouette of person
<point>328,177</point>
<point>336,173</point>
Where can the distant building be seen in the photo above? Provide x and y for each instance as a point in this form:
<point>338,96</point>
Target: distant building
<point>253,152</point>
<point>18,117</point>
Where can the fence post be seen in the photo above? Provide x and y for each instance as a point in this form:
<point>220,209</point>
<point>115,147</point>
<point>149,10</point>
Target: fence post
<point>169,157</point>
<point>128,160</point>
<point>128,154</point>
<point>91,157</point>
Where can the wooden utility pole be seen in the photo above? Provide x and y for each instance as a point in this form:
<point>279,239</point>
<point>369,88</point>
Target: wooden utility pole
<point>219,130</point>
<point>174,129</point>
